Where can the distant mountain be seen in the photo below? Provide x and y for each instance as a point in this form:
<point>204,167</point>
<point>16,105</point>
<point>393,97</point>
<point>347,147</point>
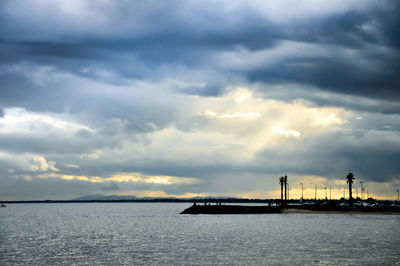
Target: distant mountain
<point>99,197</point>
<point>118,198</point>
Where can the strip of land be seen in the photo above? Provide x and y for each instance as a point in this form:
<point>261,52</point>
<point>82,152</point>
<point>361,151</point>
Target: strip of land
<point>337,211</point>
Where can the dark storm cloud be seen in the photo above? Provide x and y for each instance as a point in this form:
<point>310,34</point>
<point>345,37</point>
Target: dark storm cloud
<point>140,45</point>
<point>340,76</point>
<point>322,98</point>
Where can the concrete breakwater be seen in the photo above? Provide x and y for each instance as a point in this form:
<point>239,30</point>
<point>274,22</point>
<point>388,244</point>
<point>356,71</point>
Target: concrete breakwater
<point>231,209</point>
<point>243,209</point>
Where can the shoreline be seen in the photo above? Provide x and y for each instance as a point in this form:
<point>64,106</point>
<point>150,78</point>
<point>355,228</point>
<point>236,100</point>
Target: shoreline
<point>243,209</point>
<point>292,210</point>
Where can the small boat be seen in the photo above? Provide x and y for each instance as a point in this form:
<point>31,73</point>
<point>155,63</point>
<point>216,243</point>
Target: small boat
<point>3,205</point>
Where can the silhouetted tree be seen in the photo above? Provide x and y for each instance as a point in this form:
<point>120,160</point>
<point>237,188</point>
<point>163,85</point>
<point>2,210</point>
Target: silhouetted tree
<point>350,178</point>
<point>282,182</point>
<point>286,188</point>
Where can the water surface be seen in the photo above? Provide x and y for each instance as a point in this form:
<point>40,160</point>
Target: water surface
<point>155,234</point>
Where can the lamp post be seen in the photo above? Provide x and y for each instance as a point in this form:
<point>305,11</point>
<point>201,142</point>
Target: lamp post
<point>282,183</point>
<point>362,190</point>
<point>315,192</point>
<point>286,183</point>
<point>397,195</point>
<point>302,188</point>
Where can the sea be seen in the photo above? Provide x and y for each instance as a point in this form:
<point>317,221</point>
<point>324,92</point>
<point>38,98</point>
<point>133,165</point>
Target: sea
<point>156,234</point>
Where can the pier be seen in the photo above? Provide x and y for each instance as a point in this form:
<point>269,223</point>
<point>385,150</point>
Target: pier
<point>352,205</point>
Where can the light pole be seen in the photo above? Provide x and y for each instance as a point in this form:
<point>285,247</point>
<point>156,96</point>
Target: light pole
<point>315,192</point>
<point>302,188</point>
<point>330,192</point>
<point>362,190</point>
<point>282,182</point>
<point>286,183</point>
<point>397,195</point>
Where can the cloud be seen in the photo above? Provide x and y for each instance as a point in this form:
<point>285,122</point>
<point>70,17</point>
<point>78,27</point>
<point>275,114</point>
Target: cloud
<point>27,162</point>
<point>190,98</point>
<point>233,115</point>
<point>164,180</point>
<point>20,121</point>
<point>111,186</point>
<point>352,40</point>
<point>285,132</point>
<point>126,178</point>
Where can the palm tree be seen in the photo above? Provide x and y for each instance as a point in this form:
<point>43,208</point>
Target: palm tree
<point>286,188</point>
<point>350,178</point>
<point>282,182</point>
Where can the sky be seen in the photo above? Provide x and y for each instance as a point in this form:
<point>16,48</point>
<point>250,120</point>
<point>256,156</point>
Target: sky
<point>198,98</point>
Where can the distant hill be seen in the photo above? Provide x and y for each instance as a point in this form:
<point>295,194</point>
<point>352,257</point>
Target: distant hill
<point>118,198</point>
<point>99,197</point>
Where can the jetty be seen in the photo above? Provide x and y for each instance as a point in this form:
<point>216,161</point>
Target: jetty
<point>284,206</point>
<point>231,209</point>
<point>318,207</point>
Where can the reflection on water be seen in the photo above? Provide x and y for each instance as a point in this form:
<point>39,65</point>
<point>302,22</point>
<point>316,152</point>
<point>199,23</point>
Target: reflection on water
<point>155,233</point>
